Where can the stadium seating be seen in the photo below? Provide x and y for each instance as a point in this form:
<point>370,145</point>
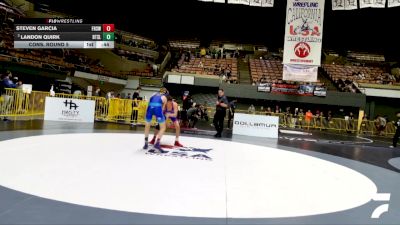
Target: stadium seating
<point>361,74</point>
<point>133,40</point>
<point>271,70</point>
<point>185,44</point>
<point>207,66</point>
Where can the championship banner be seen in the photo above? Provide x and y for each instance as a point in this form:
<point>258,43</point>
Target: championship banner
<point>393,3</point>
<point>345,4</point>
<point>267,3</point>
<point>350,4</point>
<point>255,2</point>
<point>379,4</point>
<point>338,4</point>
<point>372,3</point>
<point>303,32</point>
<point>300,73</point>
<point>243,2</point>
<point>366,4</point>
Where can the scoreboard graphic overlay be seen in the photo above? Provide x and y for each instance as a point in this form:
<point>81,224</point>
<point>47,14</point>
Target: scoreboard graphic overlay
<point>62,33</point>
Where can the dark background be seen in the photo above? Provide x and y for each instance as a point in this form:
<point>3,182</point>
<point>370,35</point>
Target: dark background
<point>372,29</point>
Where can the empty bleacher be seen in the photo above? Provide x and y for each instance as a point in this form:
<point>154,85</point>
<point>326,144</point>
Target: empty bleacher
<point>361,74</point>
<point>271,70</point>
<point>207,66</point>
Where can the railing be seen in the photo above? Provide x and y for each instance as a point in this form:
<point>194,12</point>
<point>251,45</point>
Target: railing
<point>15,103</point>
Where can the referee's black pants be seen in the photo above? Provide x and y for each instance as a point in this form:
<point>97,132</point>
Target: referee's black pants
<point>218,121</point>
<point>396,137</point>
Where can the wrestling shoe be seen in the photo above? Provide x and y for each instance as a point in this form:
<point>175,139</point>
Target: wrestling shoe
<point>177,144</point>
<point>157,147</point>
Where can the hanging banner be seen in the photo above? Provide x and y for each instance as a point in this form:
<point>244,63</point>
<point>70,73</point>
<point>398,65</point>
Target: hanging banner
<point>338,4</point>
<point>255,2</point>
<point>267,3</point>
<point>393,3</point>
<point>350,4</point>
<point>366,4</point>
<point>243,2</point>
<point>303,32</point>
<point>346,4</point>
<point>379,4</point>
<point>372,3</point>
<point>300,73</point>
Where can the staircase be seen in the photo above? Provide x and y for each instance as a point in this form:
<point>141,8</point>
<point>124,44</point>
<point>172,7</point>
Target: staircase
<point>323,78</point>
<point>244,72</point>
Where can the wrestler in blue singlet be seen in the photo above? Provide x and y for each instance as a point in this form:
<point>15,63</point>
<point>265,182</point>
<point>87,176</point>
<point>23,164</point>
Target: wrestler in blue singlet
<point>155,108</point>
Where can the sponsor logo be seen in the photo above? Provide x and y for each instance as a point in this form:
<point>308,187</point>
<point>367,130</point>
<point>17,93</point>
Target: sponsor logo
<point>254,124</point>
<point>71,104</point>
<point>71,111</point>
<point>181,152</point>
<point>302,49</point>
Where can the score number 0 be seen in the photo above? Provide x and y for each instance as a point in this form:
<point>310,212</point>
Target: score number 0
<point>108,27</point>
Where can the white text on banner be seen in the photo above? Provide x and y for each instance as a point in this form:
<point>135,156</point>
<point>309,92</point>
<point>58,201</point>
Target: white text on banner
<point>303,32</point>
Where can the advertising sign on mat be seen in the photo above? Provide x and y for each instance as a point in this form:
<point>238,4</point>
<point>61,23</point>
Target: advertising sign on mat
<point>256,125</point>
<point>69,110</point>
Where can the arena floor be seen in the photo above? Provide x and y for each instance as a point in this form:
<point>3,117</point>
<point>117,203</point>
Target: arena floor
<point>66,173</point>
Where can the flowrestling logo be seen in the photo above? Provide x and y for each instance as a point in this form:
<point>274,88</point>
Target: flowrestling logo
<point>181,152</point>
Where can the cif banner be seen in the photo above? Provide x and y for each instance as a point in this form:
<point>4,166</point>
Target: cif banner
<point>300,73</point>
<point>393,3</point>
<point>372,3</point>
<point>69,110</point>
<point>303,32</point>
<point>256,125</point>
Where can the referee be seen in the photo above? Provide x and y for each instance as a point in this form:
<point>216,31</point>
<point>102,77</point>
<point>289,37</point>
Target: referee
<point>397,134</point>
<point>220,112</point>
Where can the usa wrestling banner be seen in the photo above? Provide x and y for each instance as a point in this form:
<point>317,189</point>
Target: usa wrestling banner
<point>300,73</point>
<point>303,32</point>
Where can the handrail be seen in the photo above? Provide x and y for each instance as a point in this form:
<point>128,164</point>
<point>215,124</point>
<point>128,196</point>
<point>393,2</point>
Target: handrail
<point>15,103</point>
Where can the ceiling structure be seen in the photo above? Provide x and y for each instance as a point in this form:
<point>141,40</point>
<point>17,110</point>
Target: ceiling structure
<point>362,29</point>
